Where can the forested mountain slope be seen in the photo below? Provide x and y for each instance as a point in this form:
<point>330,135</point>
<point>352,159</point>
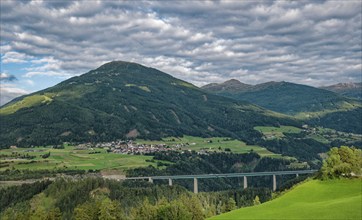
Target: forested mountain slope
<point>127,100</point>
<point>312,105</point>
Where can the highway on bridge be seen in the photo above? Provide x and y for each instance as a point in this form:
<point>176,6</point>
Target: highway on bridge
<point>223,175</point>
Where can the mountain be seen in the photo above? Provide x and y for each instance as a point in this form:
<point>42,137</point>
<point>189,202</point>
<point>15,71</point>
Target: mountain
<point>127,100</point>
<point>229,86</point>
<point>352,90</point>
<point>313,105</point>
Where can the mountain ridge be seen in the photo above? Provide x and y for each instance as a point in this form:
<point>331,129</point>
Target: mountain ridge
<point>312,105</point>
<point>351,90</point>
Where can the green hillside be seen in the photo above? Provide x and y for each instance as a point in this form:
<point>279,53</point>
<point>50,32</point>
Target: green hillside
<point>127,100</point>
<point>312,105</point>
<point>332,199</point>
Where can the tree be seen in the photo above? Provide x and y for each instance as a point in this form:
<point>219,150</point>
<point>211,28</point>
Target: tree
<point>172,210</point>
<point>39,214</point>
<point>54,214</point>
<point>107,210</point>
<point>230,205</point>
<point>88,210</point>
<point>146,211</point>
<point>342,162</point>
<point>193,205</point>
<point>256,201</point>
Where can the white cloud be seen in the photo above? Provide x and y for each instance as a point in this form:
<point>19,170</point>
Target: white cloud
<point>62,75</point>
<point>30,82</point>
<point>14,57</point>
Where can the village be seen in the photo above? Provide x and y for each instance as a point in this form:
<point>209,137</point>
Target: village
<point>129,147</point>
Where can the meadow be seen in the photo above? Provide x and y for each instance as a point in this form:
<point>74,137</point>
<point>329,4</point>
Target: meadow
<point>211,144</point>
<point>315,199</point>
<point>70,158</point>
<point>277,132</point>
<point>99,159</point>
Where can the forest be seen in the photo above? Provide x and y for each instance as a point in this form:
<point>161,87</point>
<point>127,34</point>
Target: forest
<point>96,198</point>
<point>86,196</point>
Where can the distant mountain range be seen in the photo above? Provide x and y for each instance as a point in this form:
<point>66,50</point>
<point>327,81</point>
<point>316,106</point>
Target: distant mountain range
<point>352,90</point>
<point>313,105</point>
<point>127,100</point>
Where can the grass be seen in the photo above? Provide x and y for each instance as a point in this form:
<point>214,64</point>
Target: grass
<point>211,144</point>
<point>25,103</point>
<point>342,106</point>
<point>70,158</point>
<point>333,199</point>
<point>144,88</point>
<point>277,132</point>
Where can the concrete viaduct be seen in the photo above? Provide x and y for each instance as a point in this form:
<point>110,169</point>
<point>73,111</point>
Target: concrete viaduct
<point>223,175</point>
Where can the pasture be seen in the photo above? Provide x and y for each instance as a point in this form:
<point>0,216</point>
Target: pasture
<point>71,158</point>
<point>218,144</point>
<point>277,132</point>
<point>315,199</point>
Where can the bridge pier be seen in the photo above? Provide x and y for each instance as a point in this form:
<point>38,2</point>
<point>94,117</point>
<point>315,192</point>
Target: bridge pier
<point>245,182</point>
<point>297,175</point>
<point>170,182</point>
<point>150,180</point>
<point>196,187</point>
<point>274,183</point>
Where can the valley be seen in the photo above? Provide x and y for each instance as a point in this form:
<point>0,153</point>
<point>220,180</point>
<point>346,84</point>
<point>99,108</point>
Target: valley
<point>127,120</point>
<point>180,110</point>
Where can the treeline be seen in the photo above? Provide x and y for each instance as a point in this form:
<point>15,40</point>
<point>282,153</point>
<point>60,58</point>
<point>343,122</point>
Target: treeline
<point>17,155</point>
<point>15,174</point>
<point>95,198</point>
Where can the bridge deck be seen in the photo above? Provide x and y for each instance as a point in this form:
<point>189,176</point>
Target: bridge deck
<point>223,175</point>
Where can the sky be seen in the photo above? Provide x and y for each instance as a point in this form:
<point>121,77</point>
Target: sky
<point>315,43</point>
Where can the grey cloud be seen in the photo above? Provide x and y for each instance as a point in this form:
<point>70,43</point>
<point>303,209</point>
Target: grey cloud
<point>7,77</point>
<point>202,42</point>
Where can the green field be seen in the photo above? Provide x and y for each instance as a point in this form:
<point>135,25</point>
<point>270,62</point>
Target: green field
<point>70,158</point>
<point>333,199</point>
<point>211,144</point>
<point>277,132</point>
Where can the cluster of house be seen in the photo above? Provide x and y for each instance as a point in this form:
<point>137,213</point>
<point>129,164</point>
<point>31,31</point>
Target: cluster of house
<point>130,147</point>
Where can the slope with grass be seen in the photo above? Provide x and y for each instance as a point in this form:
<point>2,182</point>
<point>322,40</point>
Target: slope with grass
<point>332,199</point>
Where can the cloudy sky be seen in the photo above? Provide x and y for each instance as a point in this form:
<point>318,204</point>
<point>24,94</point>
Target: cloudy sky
<point>309,42</point>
